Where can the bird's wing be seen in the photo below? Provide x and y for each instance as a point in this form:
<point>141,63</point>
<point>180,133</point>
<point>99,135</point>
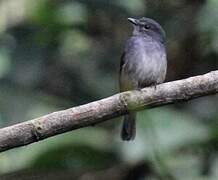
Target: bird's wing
<point>122,62</point>
<point>125,82</point>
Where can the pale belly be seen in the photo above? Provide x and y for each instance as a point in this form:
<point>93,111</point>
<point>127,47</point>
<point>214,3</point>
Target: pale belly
<point>146,71</point>
<point>145,65</point>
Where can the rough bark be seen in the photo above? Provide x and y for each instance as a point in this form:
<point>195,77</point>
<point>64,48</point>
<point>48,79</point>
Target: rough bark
<point>104,109</point>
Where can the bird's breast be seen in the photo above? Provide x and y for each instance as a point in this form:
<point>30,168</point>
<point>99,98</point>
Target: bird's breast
<point>146,62</point>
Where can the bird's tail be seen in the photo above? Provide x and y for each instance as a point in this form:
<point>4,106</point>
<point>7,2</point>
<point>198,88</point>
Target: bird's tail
<point>129,127</point>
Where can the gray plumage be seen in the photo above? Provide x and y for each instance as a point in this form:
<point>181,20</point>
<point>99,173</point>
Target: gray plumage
<point>143,63</point>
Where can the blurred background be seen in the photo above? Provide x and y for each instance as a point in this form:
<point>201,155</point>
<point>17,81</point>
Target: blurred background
<point>56,54</point>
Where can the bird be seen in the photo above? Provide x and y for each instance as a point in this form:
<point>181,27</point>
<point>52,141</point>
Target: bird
<point>143,64</point>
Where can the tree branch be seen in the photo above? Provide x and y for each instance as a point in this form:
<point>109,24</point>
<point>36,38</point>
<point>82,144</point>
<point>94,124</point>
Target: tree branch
<point>99,111</point>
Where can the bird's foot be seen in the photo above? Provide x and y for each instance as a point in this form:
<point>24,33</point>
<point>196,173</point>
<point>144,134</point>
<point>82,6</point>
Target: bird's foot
<point>154,85</point>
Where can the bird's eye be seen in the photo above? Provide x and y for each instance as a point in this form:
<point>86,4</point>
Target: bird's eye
<point>146,26</point>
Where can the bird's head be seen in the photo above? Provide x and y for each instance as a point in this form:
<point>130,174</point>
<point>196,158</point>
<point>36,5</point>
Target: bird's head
<point>147,27</point>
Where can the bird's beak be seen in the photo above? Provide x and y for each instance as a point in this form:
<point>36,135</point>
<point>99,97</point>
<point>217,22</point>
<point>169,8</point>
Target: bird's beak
<point>133,21</point>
